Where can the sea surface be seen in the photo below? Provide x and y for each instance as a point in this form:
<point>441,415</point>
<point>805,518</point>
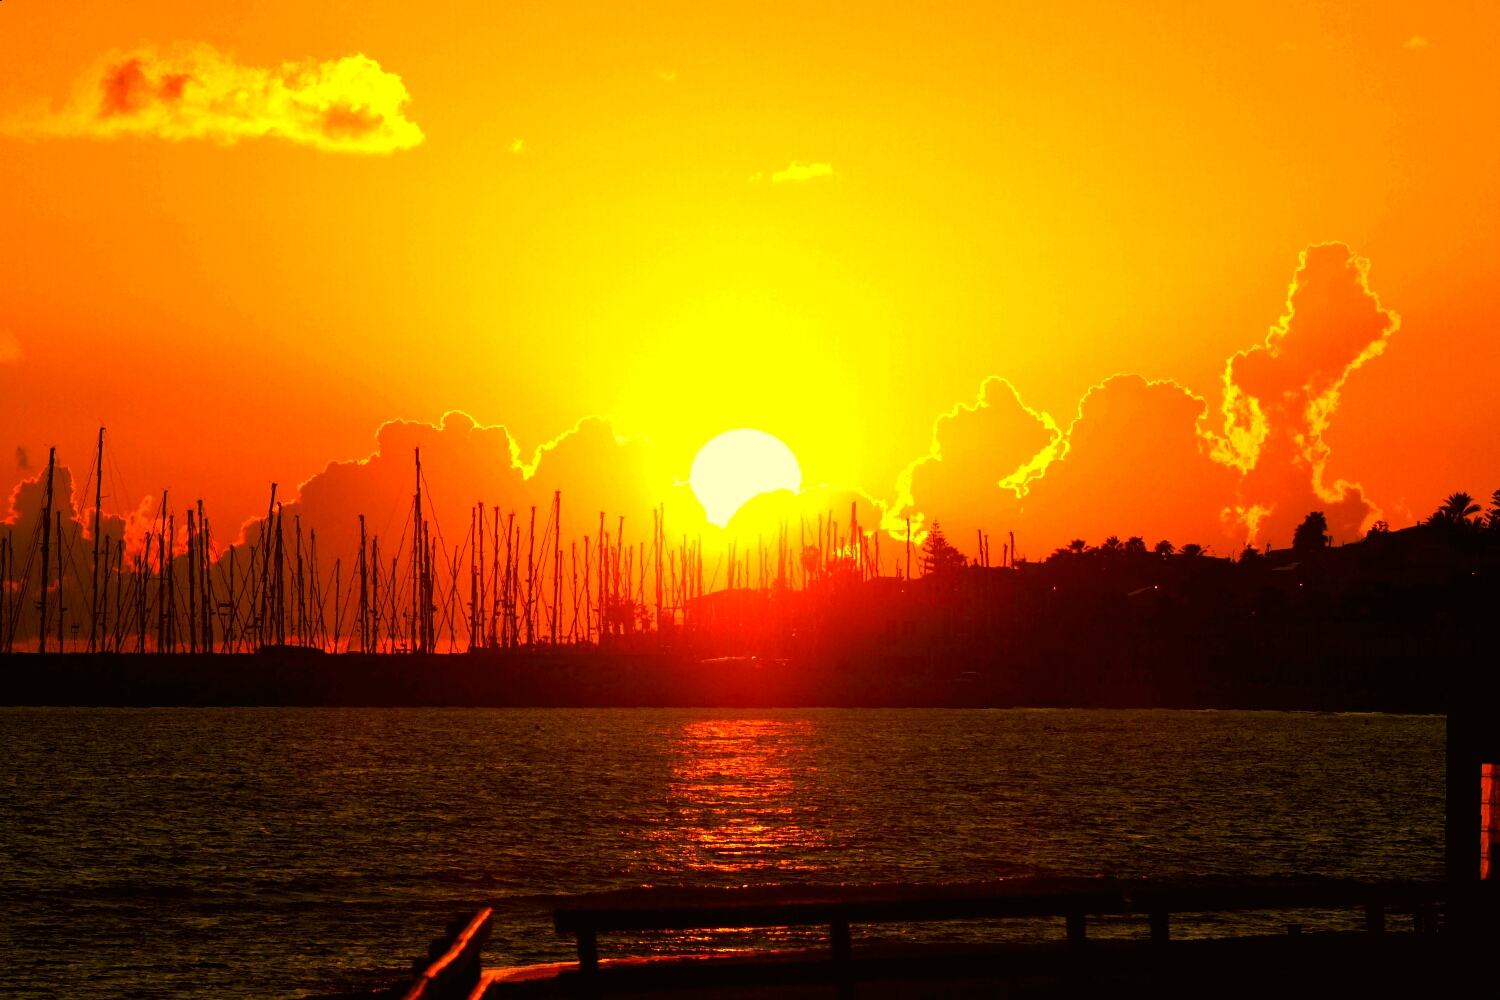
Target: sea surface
<point>298,852</point>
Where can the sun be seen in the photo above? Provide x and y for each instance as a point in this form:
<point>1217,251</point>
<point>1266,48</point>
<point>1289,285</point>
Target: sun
<point>738,465</point>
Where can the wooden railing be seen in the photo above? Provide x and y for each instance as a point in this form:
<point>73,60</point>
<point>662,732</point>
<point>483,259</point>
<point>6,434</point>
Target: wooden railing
<point>455,971</point>
<point>839,907</point>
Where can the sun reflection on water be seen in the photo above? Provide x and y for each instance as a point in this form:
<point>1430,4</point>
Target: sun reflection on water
<point>742,799</point>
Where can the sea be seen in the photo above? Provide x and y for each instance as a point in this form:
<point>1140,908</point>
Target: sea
<point>289,852</point>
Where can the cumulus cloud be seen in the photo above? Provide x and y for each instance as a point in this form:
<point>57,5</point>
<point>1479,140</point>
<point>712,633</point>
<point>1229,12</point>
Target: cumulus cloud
<point>1134,464</point>
<point>10,348</point>
<point>799,171</point>
<point>193,91</point>
<point>1415,42</point>
<point>1153,458</point>
<point>1279,396</point>
<point>596,471</point>
<point>1130,462</point>
<point>996,443</point>
<point>464,464</point>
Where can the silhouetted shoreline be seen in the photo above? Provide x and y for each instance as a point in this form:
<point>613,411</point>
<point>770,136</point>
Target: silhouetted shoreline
<point>1387,624</point>
<point>589,679</point>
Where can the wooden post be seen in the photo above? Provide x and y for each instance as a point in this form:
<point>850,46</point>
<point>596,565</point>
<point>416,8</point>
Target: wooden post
<point>588,950</point>
<point>838,939</point>
<point>1077,930</point>
<point>1161,929</point>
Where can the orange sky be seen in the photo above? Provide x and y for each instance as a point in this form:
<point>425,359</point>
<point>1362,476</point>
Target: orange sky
<point>580,215</point>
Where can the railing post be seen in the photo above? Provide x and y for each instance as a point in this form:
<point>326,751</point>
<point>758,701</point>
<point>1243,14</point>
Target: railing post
<point>1161,929</point>
<point>1375,917</point>
<point>1077,930</point>
<point>588,950</point>
<point>838,939</point>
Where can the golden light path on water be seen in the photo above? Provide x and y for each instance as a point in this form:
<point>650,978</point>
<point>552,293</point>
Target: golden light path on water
<point>743,799</point>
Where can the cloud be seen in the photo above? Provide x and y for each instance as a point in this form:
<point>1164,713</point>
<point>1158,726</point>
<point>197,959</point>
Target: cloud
<point>997,442</point>
<point>1134,464</point>
<point>800,171</point>
<point>1130,462</point>
<point>519,146</point>
<point>10,348</point>
<point>23,461</point>
<point>193,91</point>
<point>1279,396</point>
<point>1415,42</point>
<point>1141,457</point>
<point>465,463</point>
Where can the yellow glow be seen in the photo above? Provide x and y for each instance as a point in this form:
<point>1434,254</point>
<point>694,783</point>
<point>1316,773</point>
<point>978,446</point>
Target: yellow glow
<point>739,465</point>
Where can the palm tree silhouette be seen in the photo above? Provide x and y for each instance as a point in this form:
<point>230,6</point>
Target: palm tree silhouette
<point>1455,511</point>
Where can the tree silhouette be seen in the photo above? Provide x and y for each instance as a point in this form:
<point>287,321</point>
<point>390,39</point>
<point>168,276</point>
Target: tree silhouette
<point>1494,515</point>
<point>939,557</point>
<point>1455,511</point>
<point>1192,550</point>
<point>1135,545</point>
<point>1164,548</point>
<point>1312,533</point>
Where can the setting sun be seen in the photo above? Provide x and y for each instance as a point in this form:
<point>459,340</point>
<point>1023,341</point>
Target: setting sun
<point>738,465</point>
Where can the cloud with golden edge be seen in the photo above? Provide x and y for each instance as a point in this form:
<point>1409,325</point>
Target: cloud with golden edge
<point>193,91</point>
<point>465,463</point>
<point>1001,441</point>
<point>800,171</point>
<point>1280,395</point>
<point>1143,456</point>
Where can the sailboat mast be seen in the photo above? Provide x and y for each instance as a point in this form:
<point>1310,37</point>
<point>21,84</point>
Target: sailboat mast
<point>98,499</point>
<point>47,553</point>
<point>417,561</point>
<point>556,562</point>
